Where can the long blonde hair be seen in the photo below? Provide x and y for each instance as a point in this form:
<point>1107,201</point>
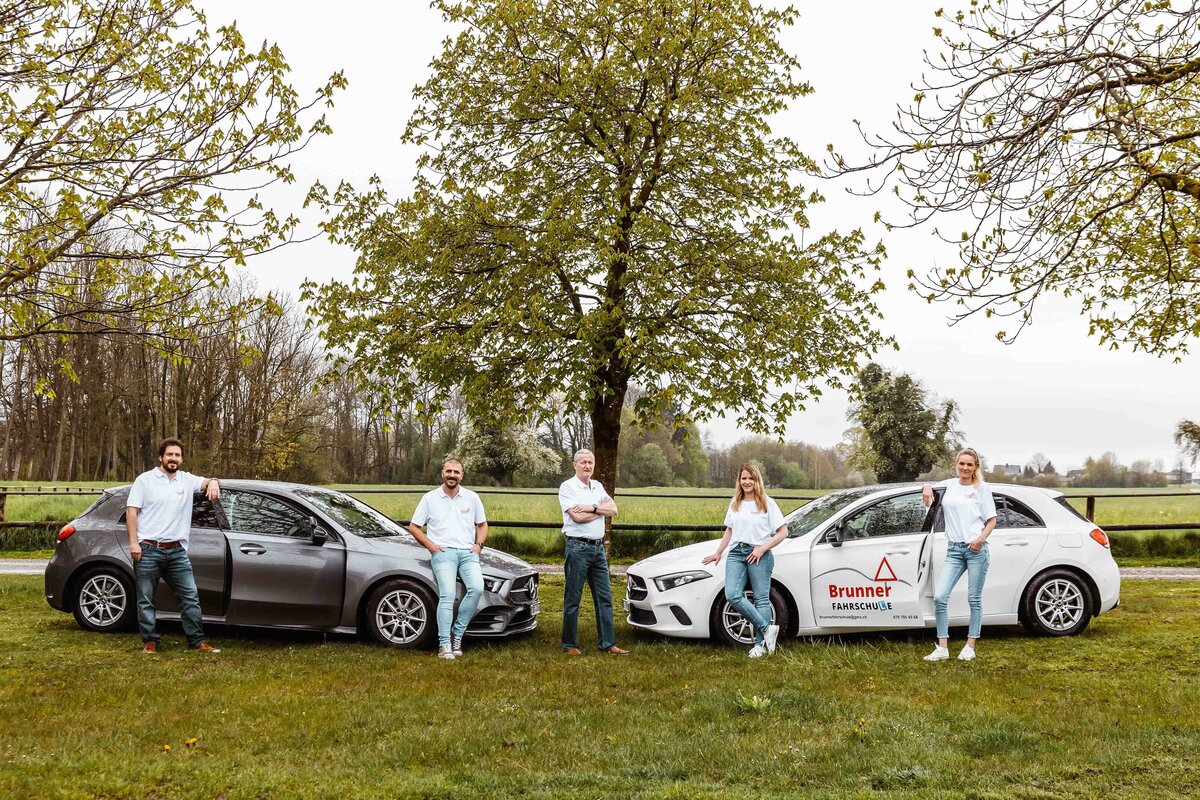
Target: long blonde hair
<point>969,451</point>
<point>759,493</point>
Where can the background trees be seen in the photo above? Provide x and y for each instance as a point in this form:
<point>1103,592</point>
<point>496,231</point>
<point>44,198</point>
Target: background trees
<point>1065,133</point>
<point>601,202</point>
<point>126,128</point>
<point>901,430</point>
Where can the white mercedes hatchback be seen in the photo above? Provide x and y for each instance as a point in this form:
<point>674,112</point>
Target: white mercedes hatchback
<point>868,559</point>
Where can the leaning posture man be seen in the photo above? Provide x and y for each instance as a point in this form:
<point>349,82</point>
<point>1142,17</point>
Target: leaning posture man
<point>158,516</point>
<point>457,529</point>
<point>585,504</point>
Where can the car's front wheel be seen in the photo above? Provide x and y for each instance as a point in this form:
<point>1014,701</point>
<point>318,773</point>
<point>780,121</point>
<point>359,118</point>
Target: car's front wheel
<point>104,601</point>
<point>402,613</point>
<point>1056,603</point>
<point>729,627</point>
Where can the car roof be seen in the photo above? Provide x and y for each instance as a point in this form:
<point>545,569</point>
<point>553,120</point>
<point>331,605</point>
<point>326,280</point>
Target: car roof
<point>1014,490</point>
<point>248,484</point>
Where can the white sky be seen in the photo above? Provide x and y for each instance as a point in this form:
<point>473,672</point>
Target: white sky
<point>1054,391</point>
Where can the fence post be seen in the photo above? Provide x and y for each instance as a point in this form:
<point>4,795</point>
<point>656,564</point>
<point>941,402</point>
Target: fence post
<point>3,500</point>
<point>1091,508</point>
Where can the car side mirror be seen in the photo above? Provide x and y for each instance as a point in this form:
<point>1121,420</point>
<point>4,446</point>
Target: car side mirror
<point>314,532</point>
<point>834,537</point>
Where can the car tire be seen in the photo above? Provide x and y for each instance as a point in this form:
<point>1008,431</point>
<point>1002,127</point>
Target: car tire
<point>103,600</point>
<point>1056,603</point>
<point>402,613</point>
<point>731,628</point>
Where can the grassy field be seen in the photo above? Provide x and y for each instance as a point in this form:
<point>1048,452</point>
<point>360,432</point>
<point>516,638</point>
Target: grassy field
<point>290,715</point>
<point>1133,548</point>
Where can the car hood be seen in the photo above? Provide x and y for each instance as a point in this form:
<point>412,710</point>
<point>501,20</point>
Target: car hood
<point>492,561</point>
<point>686,557</point>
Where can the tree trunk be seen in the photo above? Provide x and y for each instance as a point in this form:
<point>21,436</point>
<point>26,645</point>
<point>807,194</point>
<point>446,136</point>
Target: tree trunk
<point>606,433</point>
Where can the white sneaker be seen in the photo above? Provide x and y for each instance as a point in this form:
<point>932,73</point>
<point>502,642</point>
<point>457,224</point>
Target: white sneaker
<point>939,654</point>
<point>758,651</point>
<point>967,654</point>
<point>770,637</point>
<point>445,652</point>
<point>456,646</point>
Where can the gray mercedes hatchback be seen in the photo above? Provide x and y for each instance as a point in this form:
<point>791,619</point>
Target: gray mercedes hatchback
<point>284,555</point>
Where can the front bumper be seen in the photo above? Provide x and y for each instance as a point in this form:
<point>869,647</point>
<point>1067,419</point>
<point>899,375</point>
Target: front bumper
<point>517,614</point>
<point>682,611</point>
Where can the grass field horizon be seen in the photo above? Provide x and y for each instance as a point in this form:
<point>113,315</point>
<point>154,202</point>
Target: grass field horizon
<point>285,715</point>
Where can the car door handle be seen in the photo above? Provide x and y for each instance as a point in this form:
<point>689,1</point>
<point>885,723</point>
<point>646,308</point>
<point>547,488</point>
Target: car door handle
<point>1016,543</point>
<point>898,552</point>
<point>253,549</point>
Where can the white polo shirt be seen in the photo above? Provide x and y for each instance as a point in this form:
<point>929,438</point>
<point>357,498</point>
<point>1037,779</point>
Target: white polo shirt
<point>165,503</point>
<point>575,492</point>
<point>751,526</point>
<point>450,521</point>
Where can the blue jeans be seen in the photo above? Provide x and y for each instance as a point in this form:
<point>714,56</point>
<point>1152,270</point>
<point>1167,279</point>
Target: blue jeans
<point>587,563</point>
<point>960,559</point>
<point>451,563</point>
<point>737,572</point>
<point>173,566</point>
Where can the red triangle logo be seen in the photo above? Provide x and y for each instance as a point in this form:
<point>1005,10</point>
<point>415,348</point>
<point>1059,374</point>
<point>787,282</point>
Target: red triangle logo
<point>884,573</point>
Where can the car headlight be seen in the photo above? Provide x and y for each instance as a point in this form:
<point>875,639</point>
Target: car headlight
<point>678,579</point>
<point>492,584</point>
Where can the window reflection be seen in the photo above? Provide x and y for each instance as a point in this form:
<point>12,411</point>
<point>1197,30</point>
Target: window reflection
<point>257,513</point>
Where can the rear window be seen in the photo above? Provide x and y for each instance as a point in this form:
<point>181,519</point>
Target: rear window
<point>1062,501</point>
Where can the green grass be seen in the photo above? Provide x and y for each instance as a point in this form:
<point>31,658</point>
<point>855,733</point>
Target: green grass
<point>291,715</point>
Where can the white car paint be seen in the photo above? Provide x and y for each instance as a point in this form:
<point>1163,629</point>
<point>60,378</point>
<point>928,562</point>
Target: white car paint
<point>887,581</point>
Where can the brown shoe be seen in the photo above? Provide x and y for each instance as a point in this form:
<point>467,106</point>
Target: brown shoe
<point>205,647</point>
<point>572,651</point>
<point>150,647</point>
<point>616,651</point>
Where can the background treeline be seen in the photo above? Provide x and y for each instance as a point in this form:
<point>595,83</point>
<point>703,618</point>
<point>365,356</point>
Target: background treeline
<point>256,399</point>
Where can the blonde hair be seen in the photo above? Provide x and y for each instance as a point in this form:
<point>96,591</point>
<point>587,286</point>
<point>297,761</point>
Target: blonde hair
<point>970,451</point>
<point>759,493</point>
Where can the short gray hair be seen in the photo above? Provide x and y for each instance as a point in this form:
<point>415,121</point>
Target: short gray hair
<point>579,453</point>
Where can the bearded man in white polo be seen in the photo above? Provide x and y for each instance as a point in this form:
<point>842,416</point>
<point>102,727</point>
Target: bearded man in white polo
<point>456,530</point>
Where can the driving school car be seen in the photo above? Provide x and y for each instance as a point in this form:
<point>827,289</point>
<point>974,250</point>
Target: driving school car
<point>869,558</point>
<point>285,555</point>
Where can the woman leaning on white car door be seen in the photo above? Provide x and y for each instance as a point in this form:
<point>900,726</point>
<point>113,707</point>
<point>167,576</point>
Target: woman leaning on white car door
<point>755,525</point>
<point>970,514</point>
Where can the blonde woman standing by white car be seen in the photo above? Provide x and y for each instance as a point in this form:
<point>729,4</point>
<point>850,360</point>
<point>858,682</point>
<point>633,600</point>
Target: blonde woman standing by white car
<point>755,525</point>
<point>970,514</point>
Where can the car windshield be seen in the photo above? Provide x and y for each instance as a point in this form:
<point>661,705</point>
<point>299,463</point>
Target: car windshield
<point>352,514</point>
<point>808,516</point>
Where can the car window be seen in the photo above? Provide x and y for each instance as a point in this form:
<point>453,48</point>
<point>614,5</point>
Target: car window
<point>262,514</point>
<point>903,514</point>
<point>353,514</point>
<point>204,513</point>
<point>1015,514</point>
<point>808,516</point>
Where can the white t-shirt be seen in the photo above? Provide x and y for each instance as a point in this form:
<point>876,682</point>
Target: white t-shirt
<point>450,521</point>
<point>751,526</point>
<point>165,503</point>
<point>966,509</point>
<point>574,492</point>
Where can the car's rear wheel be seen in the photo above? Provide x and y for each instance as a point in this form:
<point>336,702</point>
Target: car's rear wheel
<point>1056,603</point>
<point>402,613</point>
<point>731,628</point>
<point>104,600</point>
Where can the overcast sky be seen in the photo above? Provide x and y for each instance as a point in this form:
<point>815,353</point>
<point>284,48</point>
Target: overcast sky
<point>1054,391</point>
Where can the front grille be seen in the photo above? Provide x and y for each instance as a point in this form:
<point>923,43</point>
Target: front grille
<point>524,590</point>
<point>642,616</point>
<point>635,587</point>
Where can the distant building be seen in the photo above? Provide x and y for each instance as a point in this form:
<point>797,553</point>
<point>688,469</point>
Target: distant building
<point>1009,469</point>
<point>1180,477</point>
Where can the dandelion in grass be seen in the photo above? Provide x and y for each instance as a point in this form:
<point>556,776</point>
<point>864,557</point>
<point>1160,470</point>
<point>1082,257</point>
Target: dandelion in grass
<point>754,704</point>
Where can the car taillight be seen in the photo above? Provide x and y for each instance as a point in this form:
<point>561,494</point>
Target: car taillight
<point>1100,536</point>
<point>64,533</point>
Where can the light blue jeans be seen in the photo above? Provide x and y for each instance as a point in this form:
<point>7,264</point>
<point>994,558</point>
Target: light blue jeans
<point>960,559</point>
<point>737,573</point>
<point>448,564</point>
<point>173,566</point>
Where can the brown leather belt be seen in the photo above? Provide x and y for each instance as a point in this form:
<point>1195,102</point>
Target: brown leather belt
<point>159,545</point>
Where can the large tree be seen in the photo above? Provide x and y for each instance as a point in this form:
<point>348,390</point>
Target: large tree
<point>599,200</point>
<point>1056,142</point>
<point>133,140</point>
<point>901,430</point>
